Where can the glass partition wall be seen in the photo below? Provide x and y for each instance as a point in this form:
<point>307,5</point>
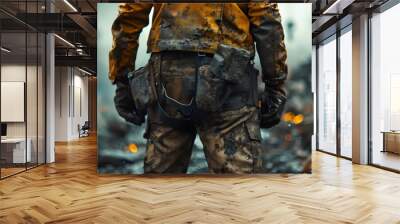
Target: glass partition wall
<point>334,105</point>
<point>385,90</point>
<point>345,92</point>
<point>22,95</point>
<point>327,96</point>
<point>334,94</point>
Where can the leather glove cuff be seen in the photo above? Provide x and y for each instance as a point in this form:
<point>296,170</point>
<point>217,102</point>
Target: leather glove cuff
<point>272,106</point>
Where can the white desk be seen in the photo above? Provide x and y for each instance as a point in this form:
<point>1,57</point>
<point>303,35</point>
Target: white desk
<point>18,149</point>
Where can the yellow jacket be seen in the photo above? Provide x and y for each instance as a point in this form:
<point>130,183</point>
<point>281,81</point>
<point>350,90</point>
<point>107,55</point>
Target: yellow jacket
<point>200,27</point>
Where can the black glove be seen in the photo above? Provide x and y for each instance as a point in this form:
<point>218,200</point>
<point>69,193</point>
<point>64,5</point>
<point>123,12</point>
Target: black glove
<point>124,103</point>
<point>272,106</point>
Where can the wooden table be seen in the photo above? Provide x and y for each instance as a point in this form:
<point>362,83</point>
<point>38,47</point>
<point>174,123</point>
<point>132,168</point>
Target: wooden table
<point>391,141</point>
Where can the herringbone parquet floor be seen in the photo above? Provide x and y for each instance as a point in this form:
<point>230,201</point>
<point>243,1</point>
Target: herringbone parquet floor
<point>70,191</point>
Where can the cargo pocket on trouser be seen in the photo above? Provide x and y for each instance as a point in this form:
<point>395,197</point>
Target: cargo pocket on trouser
<point>230,144</point>
<point>254,134</point>
<point>229,152</point>
<point>168,149</point>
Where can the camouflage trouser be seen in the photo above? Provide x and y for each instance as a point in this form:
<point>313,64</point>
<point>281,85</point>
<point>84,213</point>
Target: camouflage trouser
<point>231,139</point>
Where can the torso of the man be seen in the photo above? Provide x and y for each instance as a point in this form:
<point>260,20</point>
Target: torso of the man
<point>199,27</point>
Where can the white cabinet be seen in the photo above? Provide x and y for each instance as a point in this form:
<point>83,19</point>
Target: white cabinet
<point>16,147</point>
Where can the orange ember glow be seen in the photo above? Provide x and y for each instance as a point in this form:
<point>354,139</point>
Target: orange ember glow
<point>133,148</point>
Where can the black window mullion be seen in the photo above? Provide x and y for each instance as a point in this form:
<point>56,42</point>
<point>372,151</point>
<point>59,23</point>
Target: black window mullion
<point>26,86</point>
<point>317,96</point>
<point>369,79</point>
<point>37,89</point>
<point>338,92</point>
<point>45,86</point>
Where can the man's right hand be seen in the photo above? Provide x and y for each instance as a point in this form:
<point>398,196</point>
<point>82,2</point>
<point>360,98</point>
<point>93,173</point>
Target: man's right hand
<point>272,106</point>
<point>124,103</point>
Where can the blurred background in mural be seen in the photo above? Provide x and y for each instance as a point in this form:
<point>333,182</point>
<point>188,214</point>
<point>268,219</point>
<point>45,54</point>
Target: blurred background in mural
<point>287,147</point>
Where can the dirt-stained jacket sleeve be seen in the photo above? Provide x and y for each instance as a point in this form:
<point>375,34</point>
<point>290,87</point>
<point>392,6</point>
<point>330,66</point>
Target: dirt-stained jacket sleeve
<point>132,18</point>
<point>267,32</point>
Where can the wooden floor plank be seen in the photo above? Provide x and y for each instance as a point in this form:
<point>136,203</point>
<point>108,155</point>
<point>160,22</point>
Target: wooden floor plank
<point>70,191</point>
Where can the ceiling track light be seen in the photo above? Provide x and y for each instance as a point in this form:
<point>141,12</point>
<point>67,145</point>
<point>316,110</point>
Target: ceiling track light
<point>84,71</point>
<point>337,7</point>
<point>5,50</point>
<point>70,5</point>
<point>331,7</point>
<point>65,41</point>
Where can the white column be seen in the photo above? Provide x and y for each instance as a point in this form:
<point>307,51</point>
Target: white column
<point>314,92</point>
<point>50,92</point>
<point>360,90</point>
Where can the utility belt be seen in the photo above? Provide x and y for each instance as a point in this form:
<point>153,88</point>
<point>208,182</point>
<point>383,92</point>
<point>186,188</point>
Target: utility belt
<point>226,80</point>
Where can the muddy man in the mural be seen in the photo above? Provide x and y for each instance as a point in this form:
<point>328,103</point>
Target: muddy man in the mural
<point>200,79</point>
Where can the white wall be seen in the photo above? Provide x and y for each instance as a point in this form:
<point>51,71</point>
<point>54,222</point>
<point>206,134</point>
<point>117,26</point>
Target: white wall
<point>16,73</point>
<point>71,94</point>
<point>61,103</point>
<point>12,73</point>
<point>80,111</point>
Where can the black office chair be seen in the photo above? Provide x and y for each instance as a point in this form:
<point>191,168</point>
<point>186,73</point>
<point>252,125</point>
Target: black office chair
<point>84,130</point>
